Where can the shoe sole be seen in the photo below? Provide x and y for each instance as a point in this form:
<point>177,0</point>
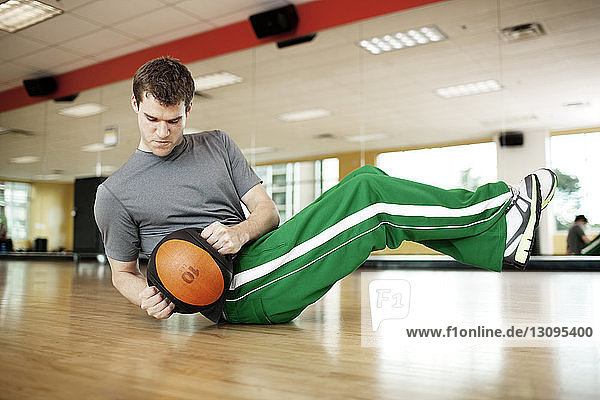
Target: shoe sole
<point>526,243</point>
<point>551,194</point>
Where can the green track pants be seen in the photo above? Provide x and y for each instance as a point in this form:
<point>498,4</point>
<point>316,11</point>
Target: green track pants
<point>286,270</point>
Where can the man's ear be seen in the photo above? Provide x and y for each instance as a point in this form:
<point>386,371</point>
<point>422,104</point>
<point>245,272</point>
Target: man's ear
<point>134,104</point>
<point>188,109</point>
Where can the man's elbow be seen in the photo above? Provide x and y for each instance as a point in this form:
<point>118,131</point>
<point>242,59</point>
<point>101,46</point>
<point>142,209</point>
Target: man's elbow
<point>274,216</point>
<point>116,281</point>
<point>119,279</point>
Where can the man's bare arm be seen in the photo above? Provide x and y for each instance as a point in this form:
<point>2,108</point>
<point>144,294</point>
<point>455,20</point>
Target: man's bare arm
<point>130,282</point>
<point>586,239</point>
<point>263,218</point>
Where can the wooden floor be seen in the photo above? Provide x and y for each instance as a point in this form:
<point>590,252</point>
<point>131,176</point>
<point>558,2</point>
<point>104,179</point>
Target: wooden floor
<point>65,333</point>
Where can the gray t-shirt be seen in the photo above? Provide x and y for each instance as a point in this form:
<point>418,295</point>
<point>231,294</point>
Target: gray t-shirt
<point>201,181</point>
<point>574,240</point>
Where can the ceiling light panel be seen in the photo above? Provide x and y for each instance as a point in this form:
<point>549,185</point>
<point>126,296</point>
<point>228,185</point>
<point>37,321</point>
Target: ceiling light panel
<point>402,40</point>
<point>83,110</point>
<point>304,115</point>
<point>469,89</point>
<point>95,147</point>
<point>522,32</point>
<point>19,14</point>
<point>25,160</point>
<point>218,79</point>
<point>48,177</point>
<point>372,137</point>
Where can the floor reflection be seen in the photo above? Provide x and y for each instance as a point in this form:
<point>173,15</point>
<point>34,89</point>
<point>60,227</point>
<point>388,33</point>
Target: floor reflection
<point>68,318</point>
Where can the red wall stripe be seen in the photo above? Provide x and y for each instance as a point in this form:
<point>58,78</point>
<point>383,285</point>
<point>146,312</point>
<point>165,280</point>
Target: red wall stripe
<point>313,17</point>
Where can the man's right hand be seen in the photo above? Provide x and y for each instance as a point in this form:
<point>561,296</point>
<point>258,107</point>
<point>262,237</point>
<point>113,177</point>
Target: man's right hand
<point>155,303</point>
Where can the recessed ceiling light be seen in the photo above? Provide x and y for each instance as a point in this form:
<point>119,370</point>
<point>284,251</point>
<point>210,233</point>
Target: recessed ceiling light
<point>401,40</point>
<point>83,110</point>
<point>215,80</point>
<point>522,32</point>
<point>258,150</point>
<point>304,115</point>
<point>367,138</point>
<point>25,160</point>
<point>19,14</point>
<point>94,147</point>
<point>469,89</point>
<point>48,177</point>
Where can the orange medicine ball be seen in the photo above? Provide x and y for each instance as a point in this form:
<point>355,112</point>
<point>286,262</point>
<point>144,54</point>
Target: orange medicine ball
<point>189,272</point>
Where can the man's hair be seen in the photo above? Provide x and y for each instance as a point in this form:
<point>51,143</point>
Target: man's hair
<point>166,79</point>
<point>581,218</point>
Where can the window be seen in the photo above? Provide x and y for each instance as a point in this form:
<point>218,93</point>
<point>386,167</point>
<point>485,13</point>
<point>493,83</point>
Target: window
<point>577,165</point>
<point>465,166</point>
<point>293,186</point>
<point>14,201</point>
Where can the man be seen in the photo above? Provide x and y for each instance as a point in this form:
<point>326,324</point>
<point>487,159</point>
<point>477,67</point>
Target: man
<point>174,181</point>
<point>576,238</point>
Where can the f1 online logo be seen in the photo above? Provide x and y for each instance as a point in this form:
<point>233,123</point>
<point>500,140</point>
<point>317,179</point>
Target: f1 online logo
<point>388,299</point>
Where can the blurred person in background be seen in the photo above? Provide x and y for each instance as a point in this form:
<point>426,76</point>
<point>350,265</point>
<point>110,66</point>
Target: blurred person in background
<point>576,239</point>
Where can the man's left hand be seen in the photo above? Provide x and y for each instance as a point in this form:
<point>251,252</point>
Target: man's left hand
<point>225,239</point>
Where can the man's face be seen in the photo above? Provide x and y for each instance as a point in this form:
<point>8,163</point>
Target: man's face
<point>161,127</point>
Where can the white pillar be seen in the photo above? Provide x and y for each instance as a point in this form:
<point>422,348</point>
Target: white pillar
<point>304,184</point>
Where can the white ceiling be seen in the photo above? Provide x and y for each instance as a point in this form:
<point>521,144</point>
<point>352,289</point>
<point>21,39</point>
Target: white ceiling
<point>392,93</point>
<point>90,31</point>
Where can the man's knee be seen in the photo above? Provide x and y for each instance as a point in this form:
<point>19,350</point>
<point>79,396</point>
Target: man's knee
<point>370,169</point>
<point>365,170</point>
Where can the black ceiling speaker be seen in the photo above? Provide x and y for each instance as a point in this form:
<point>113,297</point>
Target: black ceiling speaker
<point>275,22</point>
<point>511,138</point>
<point>40,86</point>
